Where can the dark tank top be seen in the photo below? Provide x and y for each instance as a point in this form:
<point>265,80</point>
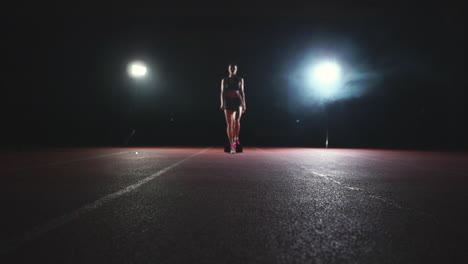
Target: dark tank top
<point>232,83</point>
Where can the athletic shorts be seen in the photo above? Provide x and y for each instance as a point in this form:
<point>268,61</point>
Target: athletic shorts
<point>232,103</point>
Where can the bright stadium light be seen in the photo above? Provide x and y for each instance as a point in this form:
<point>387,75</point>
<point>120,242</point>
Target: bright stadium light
<point>325,78</point>
<point>326,73</point>
<point>137,69</point>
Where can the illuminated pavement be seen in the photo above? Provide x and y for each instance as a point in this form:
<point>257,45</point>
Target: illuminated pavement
<point>197,205</point>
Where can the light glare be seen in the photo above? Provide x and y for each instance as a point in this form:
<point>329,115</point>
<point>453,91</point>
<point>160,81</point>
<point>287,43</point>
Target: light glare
<point>137,69</point>
<point>327,72</point>
<point>325,79</point>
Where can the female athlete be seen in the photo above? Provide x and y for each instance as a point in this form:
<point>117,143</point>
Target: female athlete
<point>233,104</point>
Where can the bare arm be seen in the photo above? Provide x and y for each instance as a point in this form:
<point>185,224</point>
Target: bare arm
<point>243,95</point>
<point>222,89</point>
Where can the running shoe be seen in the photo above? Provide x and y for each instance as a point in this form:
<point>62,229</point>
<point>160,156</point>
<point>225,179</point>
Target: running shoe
<point>233,148</point>
<point>237,142</point>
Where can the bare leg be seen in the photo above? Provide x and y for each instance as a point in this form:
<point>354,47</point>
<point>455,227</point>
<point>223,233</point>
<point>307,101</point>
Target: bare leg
<point>238,115</point>
<point>230,125</point>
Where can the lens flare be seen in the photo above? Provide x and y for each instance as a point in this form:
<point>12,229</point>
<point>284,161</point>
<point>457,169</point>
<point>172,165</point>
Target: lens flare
<point>326,73</point>
<point>137,69</point>
<point>325,79</point>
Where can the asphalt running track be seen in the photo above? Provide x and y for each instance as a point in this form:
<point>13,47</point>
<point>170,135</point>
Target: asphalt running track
<point>201,205</point>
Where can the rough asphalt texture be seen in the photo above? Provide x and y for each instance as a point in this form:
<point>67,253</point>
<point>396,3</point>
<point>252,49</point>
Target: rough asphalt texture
<point>262,206</point>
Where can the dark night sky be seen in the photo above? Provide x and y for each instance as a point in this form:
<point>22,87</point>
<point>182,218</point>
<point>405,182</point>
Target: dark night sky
<point>65,81</point>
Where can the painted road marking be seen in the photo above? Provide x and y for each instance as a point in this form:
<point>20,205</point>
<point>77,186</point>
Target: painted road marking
<point>83,159</point>
<point>367,193</point>
<point>371,195</point>
<point>68,161</point>
<point>15,243</point>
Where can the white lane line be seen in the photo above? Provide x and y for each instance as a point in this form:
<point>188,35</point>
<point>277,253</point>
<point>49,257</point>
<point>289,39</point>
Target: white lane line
<point>8,246</point>
<point>405,163</point>
<point>374,196</point>
<point>83,159</point>
<point>329,178</point>
<point>369,194</point>
<point>68,161</point>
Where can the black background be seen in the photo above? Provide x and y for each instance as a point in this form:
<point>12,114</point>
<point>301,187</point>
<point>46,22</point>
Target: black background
<point>64,80</point>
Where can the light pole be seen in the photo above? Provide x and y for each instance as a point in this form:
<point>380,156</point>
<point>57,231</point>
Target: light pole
<point>136,70</point>
<point>325,79</point>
